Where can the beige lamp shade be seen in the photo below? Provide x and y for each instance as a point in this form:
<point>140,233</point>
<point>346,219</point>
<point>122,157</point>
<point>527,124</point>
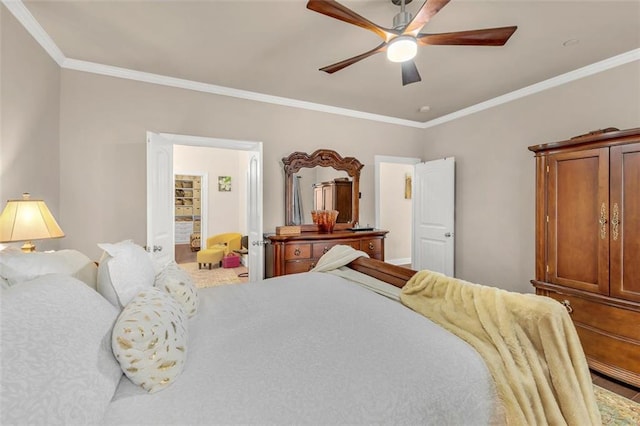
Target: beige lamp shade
<point>26,220</point>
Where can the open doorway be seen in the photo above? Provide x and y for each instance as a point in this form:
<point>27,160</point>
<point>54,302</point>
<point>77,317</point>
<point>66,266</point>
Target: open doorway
<point>394,205</point>
<point>233,203</point>
<point>216,181</point>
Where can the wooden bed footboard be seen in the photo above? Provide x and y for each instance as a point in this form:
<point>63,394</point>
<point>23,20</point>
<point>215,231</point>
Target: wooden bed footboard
<point>392,274</point>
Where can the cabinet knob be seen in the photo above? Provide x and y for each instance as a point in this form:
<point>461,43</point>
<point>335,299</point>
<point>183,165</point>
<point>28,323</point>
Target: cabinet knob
<point>567,305</point>
<point>371,246</point>
<point>313,265</point>
<point>326,249</point>
<point>296,252</point>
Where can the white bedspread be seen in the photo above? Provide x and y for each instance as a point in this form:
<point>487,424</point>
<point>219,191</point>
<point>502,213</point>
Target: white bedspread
<point>314,349</point>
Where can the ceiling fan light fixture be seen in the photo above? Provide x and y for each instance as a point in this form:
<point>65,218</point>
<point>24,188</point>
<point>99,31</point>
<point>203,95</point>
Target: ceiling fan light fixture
<point>402,49</point>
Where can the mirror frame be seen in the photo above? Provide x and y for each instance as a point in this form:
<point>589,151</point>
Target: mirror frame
<point>324,158</point>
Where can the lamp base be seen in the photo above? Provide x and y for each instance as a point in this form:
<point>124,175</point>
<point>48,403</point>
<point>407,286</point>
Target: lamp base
<point>28,247</point>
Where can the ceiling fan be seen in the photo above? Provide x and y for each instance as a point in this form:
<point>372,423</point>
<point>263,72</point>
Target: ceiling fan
<point>401,42</point>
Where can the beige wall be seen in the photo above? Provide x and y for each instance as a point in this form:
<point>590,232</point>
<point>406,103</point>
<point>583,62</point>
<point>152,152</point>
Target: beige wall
<point>29,120</point>
<point>103,130</point>
<point>495,173</point>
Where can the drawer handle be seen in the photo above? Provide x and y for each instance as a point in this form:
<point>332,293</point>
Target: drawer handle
<point>326,249</point>
<point>297,252</point>
<point>567,305</point>
<point>371,246</point>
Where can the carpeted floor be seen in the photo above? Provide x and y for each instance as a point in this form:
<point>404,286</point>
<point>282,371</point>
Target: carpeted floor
<point>617,410</point>
<point>215,276</point>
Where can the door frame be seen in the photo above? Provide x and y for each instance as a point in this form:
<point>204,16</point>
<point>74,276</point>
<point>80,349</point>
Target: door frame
<point>378,160</point>
<point>238,145</point>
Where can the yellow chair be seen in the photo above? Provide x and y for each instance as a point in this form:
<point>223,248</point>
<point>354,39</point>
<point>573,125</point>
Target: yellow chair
<point>218,247</point>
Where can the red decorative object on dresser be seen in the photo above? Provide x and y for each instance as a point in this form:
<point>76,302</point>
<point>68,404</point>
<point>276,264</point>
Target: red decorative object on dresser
<point>588,242</point>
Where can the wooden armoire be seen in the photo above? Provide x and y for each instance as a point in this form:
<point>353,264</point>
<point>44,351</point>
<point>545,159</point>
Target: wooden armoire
<point>588,242</point>
<point>334,195</point>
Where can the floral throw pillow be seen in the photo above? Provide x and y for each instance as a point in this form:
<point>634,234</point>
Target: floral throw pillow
<point>149,339</point>
<point>179,284</point>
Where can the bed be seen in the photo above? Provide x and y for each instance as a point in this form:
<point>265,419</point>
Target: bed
<point>312,348</point>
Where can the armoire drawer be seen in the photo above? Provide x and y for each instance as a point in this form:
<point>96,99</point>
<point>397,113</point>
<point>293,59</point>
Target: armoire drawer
<point>607,350</point>
<point>609,335</point>
<point>606,318</point>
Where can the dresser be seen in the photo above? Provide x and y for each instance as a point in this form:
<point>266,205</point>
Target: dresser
<point>292,254</point>
<point>588,242</point>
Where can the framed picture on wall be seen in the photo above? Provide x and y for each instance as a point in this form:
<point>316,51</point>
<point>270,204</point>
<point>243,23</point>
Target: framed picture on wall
<point>224,183</point>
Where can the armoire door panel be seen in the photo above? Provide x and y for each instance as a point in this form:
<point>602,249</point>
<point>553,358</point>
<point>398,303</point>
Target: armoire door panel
<point>625,222</point>
<point>578,226</point>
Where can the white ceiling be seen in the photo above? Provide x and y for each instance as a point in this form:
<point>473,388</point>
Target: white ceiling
<point>276,47</point>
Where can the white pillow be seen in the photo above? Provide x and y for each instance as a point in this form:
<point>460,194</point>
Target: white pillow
<point>57,363</point>
<point>17,266</point>
<point>125,269</point>
<point>150,339</point>
<point>178,283</point>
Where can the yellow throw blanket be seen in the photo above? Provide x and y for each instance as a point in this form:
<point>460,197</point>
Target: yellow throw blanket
<point>528,343</point>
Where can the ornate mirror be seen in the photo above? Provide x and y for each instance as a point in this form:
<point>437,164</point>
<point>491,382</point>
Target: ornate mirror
<point>317,175</point>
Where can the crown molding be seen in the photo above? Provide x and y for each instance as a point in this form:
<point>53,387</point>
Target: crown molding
<point>22,14</point>
<point>108,70</point>
<point>606,64</point>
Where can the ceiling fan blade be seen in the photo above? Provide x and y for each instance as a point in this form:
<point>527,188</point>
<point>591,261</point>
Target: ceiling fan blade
<point>486,37</point>
<point>410,73</point>
<point>426,12</point>
<point>335,10</point>
<point>330,69</point>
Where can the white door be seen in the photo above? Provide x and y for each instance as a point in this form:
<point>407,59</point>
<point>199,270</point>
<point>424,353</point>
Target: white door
<point>160,211</point>
<point>433,216</point>
<point>256,248</point>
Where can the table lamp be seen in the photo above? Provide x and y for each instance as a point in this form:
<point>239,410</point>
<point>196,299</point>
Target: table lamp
<point>27,220</point>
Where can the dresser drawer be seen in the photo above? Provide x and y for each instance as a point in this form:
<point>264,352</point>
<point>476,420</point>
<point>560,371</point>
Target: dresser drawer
<point>298,266</point>
<point>321,248</point>
<point>297,251</point>
<point>372,246</point>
